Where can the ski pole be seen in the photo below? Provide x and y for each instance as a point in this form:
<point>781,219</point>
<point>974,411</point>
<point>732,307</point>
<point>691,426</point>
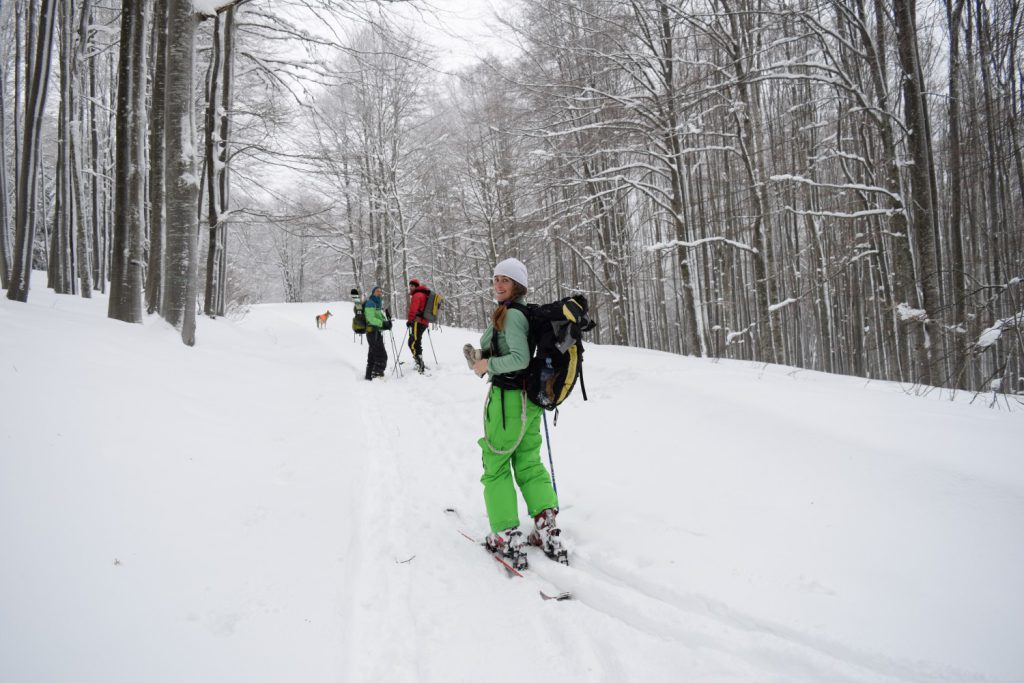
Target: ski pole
<point>394,350</point>
<point>398,355</point>
<point>551,462</point>
<point>431,340</point>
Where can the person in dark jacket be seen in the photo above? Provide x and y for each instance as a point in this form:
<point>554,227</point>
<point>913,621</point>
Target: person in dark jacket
<point>376,323</point>
<point>417,324</point>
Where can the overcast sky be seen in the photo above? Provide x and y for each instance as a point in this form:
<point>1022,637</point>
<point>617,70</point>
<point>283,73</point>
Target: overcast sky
<point>463,30</point>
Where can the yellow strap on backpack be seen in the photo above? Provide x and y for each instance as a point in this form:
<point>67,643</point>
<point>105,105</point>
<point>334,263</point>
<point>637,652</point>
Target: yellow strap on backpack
<point>571,309</point>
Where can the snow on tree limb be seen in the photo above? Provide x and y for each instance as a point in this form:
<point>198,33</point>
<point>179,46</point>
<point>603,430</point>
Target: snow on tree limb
<point>782,304</point>
<point>841,214</point>
<point>730,337</point>
<point>857,257</point>
<point>673,244</point>
<point>209,8</point>
<point>906,313</point>
<point>991,335</point>
<point>846,186</point>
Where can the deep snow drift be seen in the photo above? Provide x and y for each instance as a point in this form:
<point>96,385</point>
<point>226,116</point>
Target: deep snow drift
<point>252,510</point>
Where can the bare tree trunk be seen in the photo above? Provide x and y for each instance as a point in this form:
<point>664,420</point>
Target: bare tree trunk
<point>8,234</point>
<point>211,160</point>
<point>226,104</point>
<point>118,306</point>
<point>181,265</point>
<point>84,249</point>
<point>5,234</point>
<point>126,259</point>
<point>752,153</point>
<point>137,189</point>
<point>695,338</point>
<point>901,277</point>
<point>62,250</point>
<point>219,101</point>
<point>954,15</point>
<point>95,183</point>
<point>83,256</point>
<point>157,191</point>
<point>37,76</point>
<point>922,211</point>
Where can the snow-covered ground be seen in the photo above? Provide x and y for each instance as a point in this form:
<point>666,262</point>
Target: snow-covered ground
<point>252,510</point>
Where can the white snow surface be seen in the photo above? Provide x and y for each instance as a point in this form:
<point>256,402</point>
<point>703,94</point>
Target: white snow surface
<point>251,509</point>
<point>207,7</point>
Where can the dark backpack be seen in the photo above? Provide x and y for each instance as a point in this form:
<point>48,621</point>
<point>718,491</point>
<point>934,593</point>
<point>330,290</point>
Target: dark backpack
<point>432,307</point>
<point>358,317</point>
<point>556,350</point>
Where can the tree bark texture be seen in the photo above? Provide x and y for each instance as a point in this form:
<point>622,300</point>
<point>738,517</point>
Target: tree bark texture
<point>37,72</point>
<point>181,260</point>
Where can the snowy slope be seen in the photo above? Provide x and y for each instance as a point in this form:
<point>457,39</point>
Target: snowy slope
<point>252,510</point>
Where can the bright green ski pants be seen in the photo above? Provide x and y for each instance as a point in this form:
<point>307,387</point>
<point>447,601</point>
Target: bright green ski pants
<point>512,446</point>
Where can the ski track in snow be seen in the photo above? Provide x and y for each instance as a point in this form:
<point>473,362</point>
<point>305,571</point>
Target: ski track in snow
<point>415,602</point>
<point>698,622</point>
<point>411,445</point>
<point>406,547</point>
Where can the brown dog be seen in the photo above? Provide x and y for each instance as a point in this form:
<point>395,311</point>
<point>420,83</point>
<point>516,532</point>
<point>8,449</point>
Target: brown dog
<point>321,320</point>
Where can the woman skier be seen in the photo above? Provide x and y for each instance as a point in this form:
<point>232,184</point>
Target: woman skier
<point>512,440</point>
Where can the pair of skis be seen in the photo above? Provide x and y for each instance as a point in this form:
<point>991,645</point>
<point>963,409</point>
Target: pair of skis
<point>550,594</point>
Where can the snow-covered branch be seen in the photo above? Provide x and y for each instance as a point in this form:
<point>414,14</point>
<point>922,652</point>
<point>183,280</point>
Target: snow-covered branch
<point>832,186</point>
<point>845,215</point>
<point>675,244</point>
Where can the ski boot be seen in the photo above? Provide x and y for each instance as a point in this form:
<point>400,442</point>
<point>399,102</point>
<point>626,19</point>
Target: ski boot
<point>548,536</point>
<point>420,367</point>
<point>509,545</point>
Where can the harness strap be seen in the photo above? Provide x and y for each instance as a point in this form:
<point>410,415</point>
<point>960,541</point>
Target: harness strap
<point>494,342</point>
<point>516,379</point>
<point>522,424</point>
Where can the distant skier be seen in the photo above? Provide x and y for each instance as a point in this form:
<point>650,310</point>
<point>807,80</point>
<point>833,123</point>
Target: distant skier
<point>376,323</point>
<point>512,439</point>
<point>417,324</point>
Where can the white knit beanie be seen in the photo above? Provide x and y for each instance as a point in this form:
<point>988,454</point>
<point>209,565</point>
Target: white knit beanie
<point>512,268</point>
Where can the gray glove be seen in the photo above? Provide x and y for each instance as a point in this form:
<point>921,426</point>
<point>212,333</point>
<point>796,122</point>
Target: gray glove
<point>472,355</point>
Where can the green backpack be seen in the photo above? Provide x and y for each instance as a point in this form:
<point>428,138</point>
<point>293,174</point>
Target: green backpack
<point>358,317</point>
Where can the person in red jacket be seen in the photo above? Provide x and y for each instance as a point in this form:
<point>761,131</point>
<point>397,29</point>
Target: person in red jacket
<point>416,323</point>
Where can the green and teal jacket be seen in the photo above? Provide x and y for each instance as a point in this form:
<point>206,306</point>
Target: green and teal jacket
<point>374,315</point>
